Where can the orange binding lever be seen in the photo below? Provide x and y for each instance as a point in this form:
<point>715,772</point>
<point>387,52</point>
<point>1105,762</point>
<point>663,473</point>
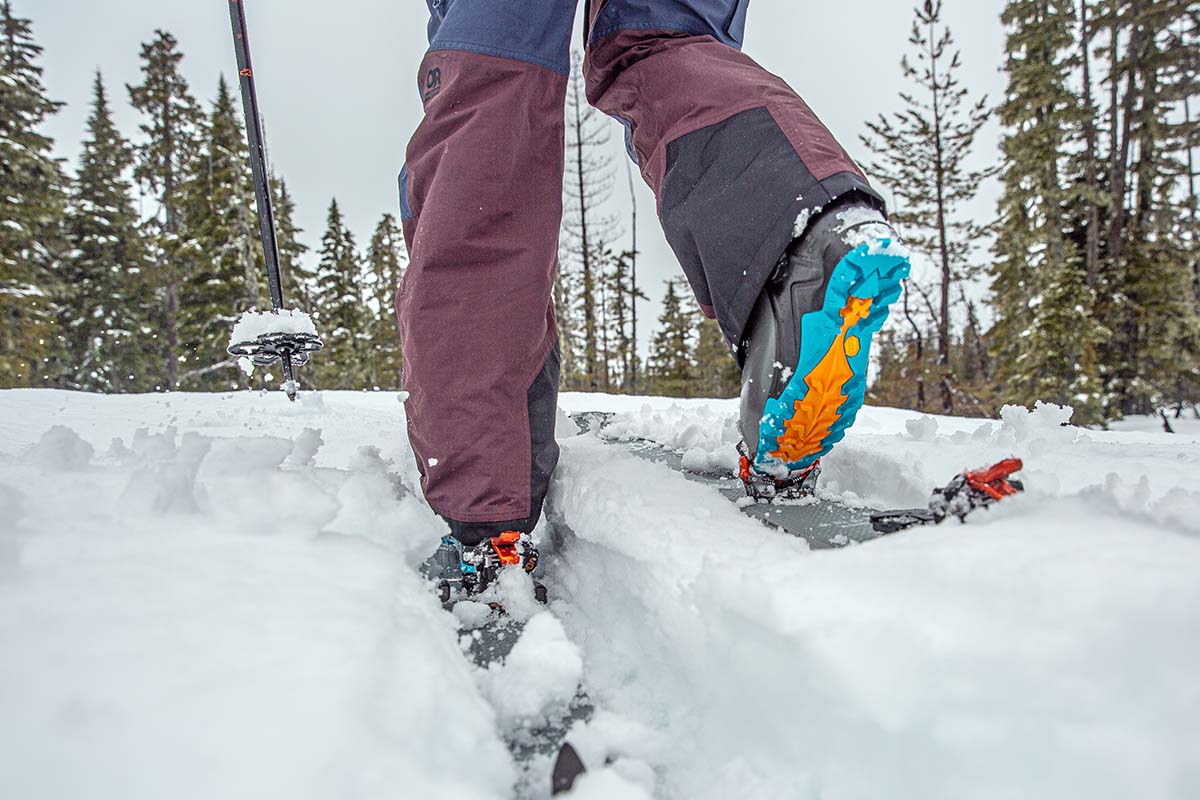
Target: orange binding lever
<point>993,481</point>
<point>505,546</point>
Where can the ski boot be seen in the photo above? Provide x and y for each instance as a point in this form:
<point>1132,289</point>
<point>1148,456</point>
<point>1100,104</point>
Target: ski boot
<point>808,342</point>
<point>465,572</point>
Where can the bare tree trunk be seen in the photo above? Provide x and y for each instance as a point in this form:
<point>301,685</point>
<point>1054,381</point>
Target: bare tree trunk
<point>920,354</point>
<point>589,286</point>
<point>1092,257</point>
<point>633,287</point>
<point>1120,157</point>
<point>943,322</point>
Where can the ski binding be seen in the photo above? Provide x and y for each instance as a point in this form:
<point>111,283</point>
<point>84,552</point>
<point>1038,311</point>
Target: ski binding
<point>765,489</point>
<point>972,489</point>
<point>466,572</point>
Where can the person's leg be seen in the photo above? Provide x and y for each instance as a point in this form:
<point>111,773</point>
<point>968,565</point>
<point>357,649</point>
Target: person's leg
<point>733,154</point>
<point>481,202</point>
<point>742,167</point>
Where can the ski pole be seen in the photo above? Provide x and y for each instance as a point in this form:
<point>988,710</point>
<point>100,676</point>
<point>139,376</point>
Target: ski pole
<point>289,347</point>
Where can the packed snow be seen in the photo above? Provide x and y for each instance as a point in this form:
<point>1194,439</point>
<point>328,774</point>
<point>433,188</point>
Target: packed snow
<point>218,596</point>
<point>253,324</point>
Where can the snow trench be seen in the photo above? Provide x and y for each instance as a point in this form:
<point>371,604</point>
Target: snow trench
<point>218,596</point>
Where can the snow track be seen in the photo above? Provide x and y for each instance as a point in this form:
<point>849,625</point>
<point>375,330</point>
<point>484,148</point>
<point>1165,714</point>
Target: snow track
<point>1013,657</point>
<point>226,604</point>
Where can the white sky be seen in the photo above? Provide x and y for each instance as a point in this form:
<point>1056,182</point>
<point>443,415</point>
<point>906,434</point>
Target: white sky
<point>336,85</point>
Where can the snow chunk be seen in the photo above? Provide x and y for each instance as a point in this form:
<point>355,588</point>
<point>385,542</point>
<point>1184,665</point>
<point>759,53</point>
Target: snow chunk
<point>165,480</point>
<point>708,437</point>
<point>540,675</point>
<point>1045,422</point>
<point>471,614</point>
<point>801,224</point>
<point>60,450</point>
<point>305,447</point>
<point>256,323</point>
<point>697,459</point>
<point>923,429</point>
<point>564,426</point>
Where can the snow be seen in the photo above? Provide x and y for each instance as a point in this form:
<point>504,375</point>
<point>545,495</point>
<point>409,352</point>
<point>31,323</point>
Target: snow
<point>538,677</point>
<point>217,596</point>
<point>253,324</point>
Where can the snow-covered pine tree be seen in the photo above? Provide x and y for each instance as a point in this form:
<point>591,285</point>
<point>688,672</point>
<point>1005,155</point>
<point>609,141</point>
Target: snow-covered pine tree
<point>717,373</point>
<point>386,261</point>
<point>171,123</point>
<point>107,303</point>
<point>221,249</point>
<point>32,210</point>
<point>588,185</point>
<point>341,310</point>
<point>922,158</point>
<point>1046,331</point>
<point>670,369</point>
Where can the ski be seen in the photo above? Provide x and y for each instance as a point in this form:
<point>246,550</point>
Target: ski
<point>793,507</point>
<point>471,576</point>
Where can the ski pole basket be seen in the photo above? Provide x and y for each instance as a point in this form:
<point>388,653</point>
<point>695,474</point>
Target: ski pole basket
<point>288,348</point>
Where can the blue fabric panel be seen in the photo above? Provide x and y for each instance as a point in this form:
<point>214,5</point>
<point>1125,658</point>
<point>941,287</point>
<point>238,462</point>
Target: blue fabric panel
<point>406,212</point>
<point>724,20</point>
<point>535,31</point>
<point>737,24</point>
<point>628,125</point>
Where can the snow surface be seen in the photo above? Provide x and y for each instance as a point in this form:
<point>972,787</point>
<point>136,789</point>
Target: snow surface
<point>216,596</point>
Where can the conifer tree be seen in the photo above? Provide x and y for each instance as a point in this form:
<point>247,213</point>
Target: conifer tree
<point>340,309</point>
<point>1152,356</point>
<point>107,302</point>
<point>298,282</point>
<point>717,373</point>
<point>1046,331</point>
<point>670,368</point>
<point>171,124</point>
<point>387,258</point>
<point>219,244</point>
<point>32,210</point>
<point>923,154</point>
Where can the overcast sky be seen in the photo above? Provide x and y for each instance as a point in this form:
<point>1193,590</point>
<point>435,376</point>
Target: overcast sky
<point>336,84</point>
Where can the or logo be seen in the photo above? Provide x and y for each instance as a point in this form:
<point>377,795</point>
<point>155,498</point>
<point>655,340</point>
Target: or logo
<point>433,84</point>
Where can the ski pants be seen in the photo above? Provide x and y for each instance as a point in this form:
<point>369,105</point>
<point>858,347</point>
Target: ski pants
<point>732,154</point>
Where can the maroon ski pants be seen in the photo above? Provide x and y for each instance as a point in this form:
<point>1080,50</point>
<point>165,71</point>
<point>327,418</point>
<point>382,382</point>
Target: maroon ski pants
<point>732,154</point>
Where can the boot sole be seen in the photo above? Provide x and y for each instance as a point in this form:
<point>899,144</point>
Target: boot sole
<point>823,396</point>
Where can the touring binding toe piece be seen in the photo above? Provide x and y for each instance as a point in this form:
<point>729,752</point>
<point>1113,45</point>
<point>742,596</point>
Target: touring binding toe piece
<point>765,488</point>
<point>465,572</point>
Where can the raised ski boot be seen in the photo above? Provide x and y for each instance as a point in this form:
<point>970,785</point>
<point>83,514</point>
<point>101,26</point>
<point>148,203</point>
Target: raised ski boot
<point>464,572</point>
<point>808,344</point>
